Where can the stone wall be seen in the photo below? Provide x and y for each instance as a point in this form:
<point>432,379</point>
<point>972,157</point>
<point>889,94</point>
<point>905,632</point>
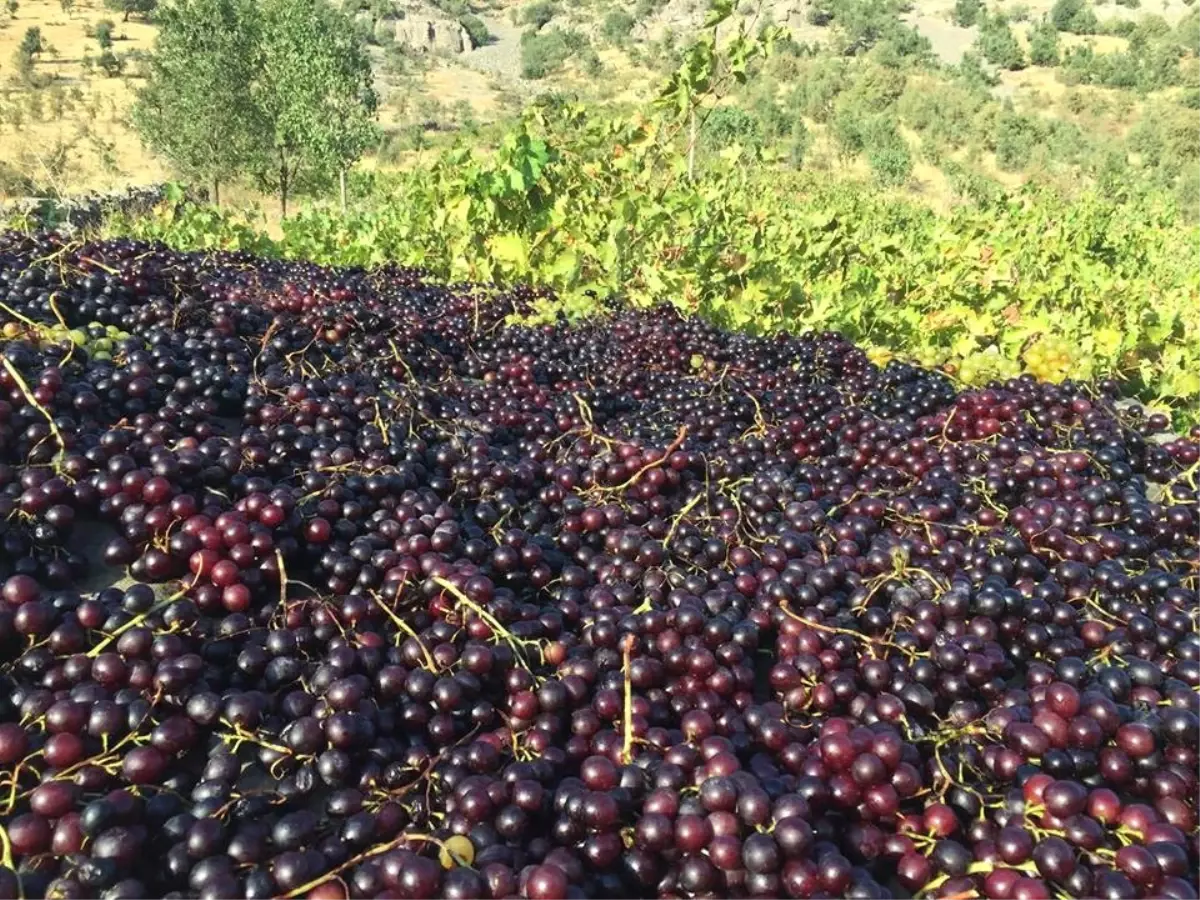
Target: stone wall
<point>82,211</point>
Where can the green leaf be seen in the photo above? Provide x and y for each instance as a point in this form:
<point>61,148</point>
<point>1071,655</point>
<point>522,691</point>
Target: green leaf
<point>510,250</point>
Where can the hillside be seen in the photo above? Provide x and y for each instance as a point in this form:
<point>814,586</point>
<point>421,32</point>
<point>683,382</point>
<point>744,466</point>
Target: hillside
<point>864,89</point>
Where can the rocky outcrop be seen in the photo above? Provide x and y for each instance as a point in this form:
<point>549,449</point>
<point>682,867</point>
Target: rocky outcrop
<point>423,28</point>
<point>429,34</point>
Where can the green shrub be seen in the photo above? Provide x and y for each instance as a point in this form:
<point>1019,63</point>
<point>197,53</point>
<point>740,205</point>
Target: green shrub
<point>538,13</point>
<point>725,126</point>
<point>543,52</point>
<point>799,143</point>
<point>1043,43</point>
<point>966,12</point>
<point>110,64</point>
<point>103,33</point>
<point>476,28</point>
<point>1073,16</point>
<point>891,165</point>
<point>820,83</point>
<point>1014,139</point>
<point>942,113</point>
<point>617,25</point>
<point>999,45</point>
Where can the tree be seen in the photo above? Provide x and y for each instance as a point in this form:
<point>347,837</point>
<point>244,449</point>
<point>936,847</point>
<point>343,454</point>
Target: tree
<point>1043,44</point>
<point>195,108</point>
<point>999,45</point>
<point>32,43</point>
<point>68,6</point>
<point>12,6</point>
<point>1073,16</point>
<point>103,33</point>
<point>130,7</point>
<point>966,12</point>
<point>110,64</point>
<point>314,93</point>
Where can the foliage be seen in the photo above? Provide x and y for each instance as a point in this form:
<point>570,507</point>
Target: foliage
<point>543,52</point>
<point>476,28</point>
<point>1014,139</point>
<point>966,12</point>
<point>1043,44</point>
<point>194,108</point>
<point>132,7</point>
<point>32,42</point>
<point>1147,65</point>
<point>887,153</point>
<point>315,95</point>
<point>998,45</point>
<point>110,64</point>
<point>306,115</point>
<point>862,24</point>
<point>103,33</point>
<point>799,142</point>
<point>617,25</point>
<point>725,126</point>
<point>943,112</point>
<point>538,13</point>
<point>1073,16</point>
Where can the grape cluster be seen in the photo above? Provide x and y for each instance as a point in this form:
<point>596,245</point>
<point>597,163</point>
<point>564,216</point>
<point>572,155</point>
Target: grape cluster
<point>340,583</point>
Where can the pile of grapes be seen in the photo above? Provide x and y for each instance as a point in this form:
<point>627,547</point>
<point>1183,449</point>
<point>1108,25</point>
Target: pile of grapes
<point>330,584</point>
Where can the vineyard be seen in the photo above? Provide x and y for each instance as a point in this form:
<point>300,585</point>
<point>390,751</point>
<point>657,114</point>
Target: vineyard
<point>597,210</point>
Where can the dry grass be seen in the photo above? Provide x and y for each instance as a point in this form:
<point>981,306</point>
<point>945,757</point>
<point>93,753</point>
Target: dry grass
<point>73,134</point>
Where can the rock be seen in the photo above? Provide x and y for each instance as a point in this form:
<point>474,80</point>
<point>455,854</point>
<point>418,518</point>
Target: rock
<point>432,34</point>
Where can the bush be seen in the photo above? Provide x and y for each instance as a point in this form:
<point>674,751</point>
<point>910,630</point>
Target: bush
<point>1015,137</point>
<point>617,25</point>
<point>966,12</point>
<point>799,143</point>
<point>999,45</point>
<point>891,164</point>
<point>725,126</point>
<point>821,82</point>
<point>476,28</point>
<point>545,52</point>
<point>876,88</point>
<point>103,33</point>
<point>942,113</point>
<point>1073,16</point>
<point>32,43</point>
<point>110,64</point>
<point>1145,67</point>
<point>538,13</point>
<point>1043,44</point>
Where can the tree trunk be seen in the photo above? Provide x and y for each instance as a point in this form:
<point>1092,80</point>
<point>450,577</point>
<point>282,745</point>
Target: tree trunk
<point>342,189</point>
<point>216,195</point>
<point>692,146</point>
<point>283,185</point>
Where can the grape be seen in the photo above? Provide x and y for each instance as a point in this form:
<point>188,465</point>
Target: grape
<point>418,598</point>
